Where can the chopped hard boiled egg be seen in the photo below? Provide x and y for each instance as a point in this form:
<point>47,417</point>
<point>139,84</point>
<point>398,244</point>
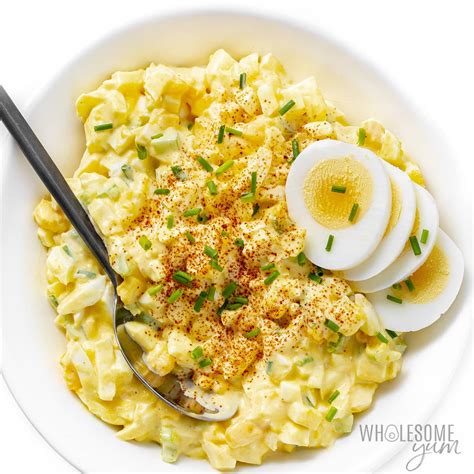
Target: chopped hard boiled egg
<point>416,250</point>
<point>421,299</point>
<point>340,193</point>
<point>398,229</point>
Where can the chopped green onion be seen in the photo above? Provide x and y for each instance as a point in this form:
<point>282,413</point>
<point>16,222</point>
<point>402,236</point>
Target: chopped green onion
<point>233,131</point>
<point>190,125</point>
<point>229,289</point>
<point>53,300</point>
<point>210,252</point>
<point>314,277</point>
<point>247,197</point>
<point>179,173</point>
<point>170,221</point>
<point>269,367</point>
<point>239,242</point>
<point>243,80</point>
<point>241,299</point>
<point>175,295</point>
<point>394,299</point>
<point>410,285</point>
<point>154,290</point>
<point>103,126</point>
<point>301,259</point>
<point>142,151</point>
<point>127,171</point>
<point>295,148</point>
<point>391,333</point>
<point>67,250</point>
<point>271,278</point>
<point>304,361</point>
<point>190,237</point>
<point>415,245</point>
<point>87,274</point>
<point>215,265</point>
<point>200,301</point>
<point>192,212</point>
<point>224,167</point>
<point>331,325</point>
<point>161,191</point>
<point>234,306</point>
<point>335,188</point>
<point>329,243</point>
<point>205,164</point>
<point>382,338</point>
<point>331,413</point>
<point>197,353</point>
<point>397,286</point>
<point>253,333</point>
<point>224,233</point>
<point>158,135</point>
<point>211,292</point>
<point>205,362</point>
<point>220,135</point>
<point>256,208</point>
<point>291,103</point>
<point>268,266</point>
<point>424,236</point>
<point>361,137</point>
<point>182,277</point>
<point>355,208</point>
<point>253,182</point>
<point>202,218</point>
<point>212,187</point>
<point>333,396</point>
<point>145,244</point>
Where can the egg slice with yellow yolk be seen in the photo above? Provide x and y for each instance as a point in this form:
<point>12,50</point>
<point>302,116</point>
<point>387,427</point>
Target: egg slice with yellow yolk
<point>426,219</point>
<point>418,302</point>
<point>324,184</point>
<point>398,229</point>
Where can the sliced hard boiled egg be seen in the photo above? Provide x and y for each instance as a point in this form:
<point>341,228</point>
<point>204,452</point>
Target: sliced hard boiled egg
<point>398,229</point>
<point>419,301</point>
<point>423,235</point>
<point>340,193</point>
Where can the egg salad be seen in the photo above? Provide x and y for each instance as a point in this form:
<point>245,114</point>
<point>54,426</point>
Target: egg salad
<point>232,202</point>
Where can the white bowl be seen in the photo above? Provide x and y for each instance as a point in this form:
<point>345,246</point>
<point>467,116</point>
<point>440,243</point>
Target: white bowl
<point>33,345</point>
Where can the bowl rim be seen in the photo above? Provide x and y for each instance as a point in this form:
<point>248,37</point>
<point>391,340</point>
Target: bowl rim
<point>244,12</point>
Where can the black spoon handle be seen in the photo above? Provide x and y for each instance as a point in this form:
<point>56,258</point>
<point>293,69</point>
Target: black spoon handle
<point>53,179</point>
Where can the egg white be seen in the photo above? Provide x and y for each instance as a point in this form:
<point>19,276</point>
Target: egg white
<point>352,244</point>
<point>407,262</point>
<point>409,316</point>
<point>392,244</point>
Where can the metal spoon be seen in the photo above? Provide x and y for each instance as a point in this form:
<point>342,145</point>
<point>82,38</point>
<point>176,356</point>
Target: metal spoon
<point>179,394</point>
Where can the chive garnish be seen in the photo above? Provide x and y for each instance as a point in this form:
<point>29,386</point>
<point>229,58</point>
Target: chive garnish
<point>291,103</point>
<point>424,236</point>
<point>247,197</point>
<point>269,367</point>
<point>243,80</point>
<point>192,212</point>
<point>179,173</point>
<point>205,362</point>
<point>331,413</point>
<point>391,333</point>
<point>127,171</point>
<point>239,242</point>
<point>382,338</point>
<point>394,299</point>
<point>329,243</point>
<point>210,252</point>
<point>315,277</point>
<point>229,289</point>
<point>256,208</point>
<point>253,182</point>
<point>67,250</point>
<point>253,333</point>
<point>301,259</point>
<point>145,244</point>
<point>333,396</point>
<point>224,167</point>
<point>224,233</point>
<point>271,278</point>
<point>410,285</point>
<point>205,164</point>
<point>215,265</point>
<point>336,188</point>
<point>175,295</point>
<point>202,218</point>
<point>295,148</point>
<point>197,353</point>
<point>200,301</point>
<point>141,151</point>
<point>170,221</point>
<point>268,266</point>
<point>220,135</point>
<point>212,187</point>
<point>53,300</point>
<point>158,135</point>
<point>182,277</point>
<point>190,237</point>
<point>211,293</point>
<point>161,191</point>
<point>415,245</point>
<point>361,137</point>
<point>155,289</point>
<point>355,208</point>
<point>234,306</point>
<point>103,126</point>
<point>397,286</point>
<point>233,131</point>
<point>241,299</point>
<point>331,325</point>
<point>87,274</point>
<point>304,361</point>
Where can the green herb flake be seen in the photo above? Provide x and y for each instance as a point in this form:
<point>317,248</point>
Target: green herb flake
<point>361,136</point>
<point>331,413</point>
<point>145,244</point>
<point>253,333</point>
<point>103,126</point>
<point>224,167</point>
<point>331,325</point>
<point>271,278</point>
<point>141,151</point>
<point>205,164</point>
<point>291,103</point>
<point>154,290</point>
<point>175,296</point>
<point>381,338</point>
<point>197,353</point>
<point>333,396</point>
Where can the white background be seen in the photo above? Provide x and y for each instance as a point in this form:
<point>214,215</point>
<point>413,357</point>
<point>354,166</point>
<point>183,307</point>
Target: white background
<point>424,47</point>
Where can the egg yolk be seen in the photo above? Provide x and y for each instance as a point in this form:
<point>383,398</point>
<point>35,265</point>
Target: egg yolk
<point>429,280</point>
<point>332,209</point>
<point>396,208</point>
